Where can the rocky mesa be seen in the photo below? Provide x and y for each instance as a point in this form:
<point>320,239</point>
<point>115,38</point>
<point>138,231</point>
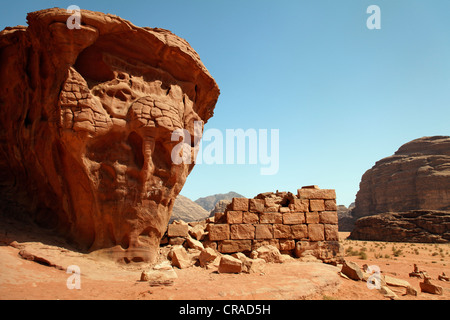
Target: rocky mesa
<point>406,197</point>
<point>416,177</point>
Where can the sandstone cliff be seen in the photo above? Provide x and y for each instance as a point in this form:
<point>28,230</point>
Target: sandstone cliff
<point>412,226</point>
<point>416,177</point>
<point>86,123</point>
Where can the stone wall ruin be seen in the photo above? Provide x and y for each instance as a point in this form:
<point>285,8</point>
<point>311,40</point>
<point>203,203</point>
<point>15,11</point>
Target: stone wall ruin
<point>303,225</point>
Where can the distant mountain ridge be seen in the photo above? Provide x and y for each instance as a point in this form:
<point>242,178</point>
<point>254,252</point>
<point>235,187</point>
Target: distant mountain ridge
<point>187,210</point>
<point>208,203</point>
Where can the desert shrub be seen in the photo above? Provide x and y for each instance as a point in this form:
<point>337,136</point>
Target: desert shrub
<point>362,255</point>
<point>350,252</point>
<point>396,252</point>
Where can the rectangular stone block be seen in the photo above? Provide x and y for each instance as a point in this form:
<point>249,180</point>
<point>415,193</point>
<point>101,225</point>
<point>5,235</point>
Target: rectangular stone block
<point>234,217</point>
<point>281,231</point>
<point>299,231</point>
<point>328,217</point>
<point>330,205</point>
<point>220,217</point>
<point>316,205</point>
<point>322,194</point>
<point>284,210</point>
<point>239,204</point>
<point>271,217</point>
<point>316,232</point>
<point>300,205</point>
<point>250,217</point>
<point>287,245</point>
<point>219,232</point>
<point>242,232</point>
<point>312,217</point>
<point>263,231</point>
<point>259,243</point>
<point>272,209</point>
<point>270,202</point>
<point>294,218</point>
<point>331,232</point>
<point>232,246</point>
<point>256,205</point>
<point>177,230</point>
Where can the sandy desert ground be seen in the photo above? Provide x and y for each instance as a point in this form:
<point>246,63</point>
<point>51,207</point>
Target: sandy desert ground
<point>101,279</point>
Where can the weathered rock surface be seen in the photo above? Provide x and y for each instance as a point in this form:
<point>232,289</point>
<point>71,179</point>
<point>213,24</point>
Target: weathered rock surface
<point>229,264</point>
<point>416,177</point>
<point>345,218</point>
<point>413,226</point>
<point>352,270</point>
<point>86,123</point>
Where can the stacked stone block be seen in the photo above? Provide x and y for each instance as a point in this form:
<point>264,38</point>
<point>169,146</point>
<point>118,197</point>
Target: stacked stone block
<point>286,221</point>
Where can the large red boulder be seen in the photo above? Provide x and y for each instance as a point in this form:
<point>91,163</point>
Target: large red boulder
<point>85,127</point>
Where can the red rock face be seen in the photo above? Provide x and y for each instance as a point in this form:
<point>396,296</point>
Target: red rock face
<point>86,124</point>
<point>416,177</point>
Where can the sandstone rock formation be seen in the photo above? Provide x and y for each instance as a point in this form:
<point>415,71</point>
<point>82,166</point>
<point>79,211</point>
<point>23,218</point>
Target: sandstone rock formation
<point>345,218</point>
<point>425,226</point>
<point>416,177</point>
<point>86,124</point>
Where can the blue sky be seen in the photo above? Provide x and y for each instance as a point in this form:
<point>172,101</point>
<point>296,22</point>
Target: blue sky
<point>341,95</point>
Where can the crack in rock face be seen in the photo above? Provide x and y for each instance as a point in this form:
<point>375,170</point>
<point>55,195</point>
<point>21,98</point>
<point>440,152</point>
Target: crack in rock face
<point>88,120</point>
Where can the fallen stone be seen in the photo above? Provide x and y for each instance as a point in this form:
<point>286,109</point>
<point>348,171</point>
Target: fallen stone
<point>162,271</point>
<point>254,265</point>
<point>194,244</point>
<point>388,293</point>
<point>229,264</point>
<point>180,258</point>
<point>197,232</point>
<point>428,287</point>
<point>268,253</point>
<point>391,281</point>
<point>352,270</point>
<point>443,277</point>
<point>250,265</point>
<point>411,291</point>
<point>178,230</point>
<point>207,256</point>
<point>177,241</point>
